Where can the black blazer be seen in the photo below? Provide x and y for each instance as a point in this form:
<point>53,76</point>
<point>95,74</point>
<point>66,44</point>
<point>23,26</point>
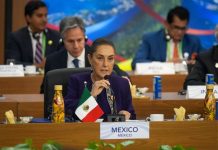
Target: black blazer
<point>19,45</point>
<point>58,59</point>
<point>206,62</point>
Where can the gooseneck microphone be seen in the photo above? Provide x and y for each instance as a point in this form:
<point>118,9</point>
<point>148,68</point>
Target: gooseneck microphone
<point>36,35</point>
<point>114,116</point>
<point>111,97</point>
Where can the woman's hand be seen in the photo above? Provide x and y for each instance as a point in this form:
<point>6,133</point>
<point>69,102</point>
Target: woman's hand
<point>98,86</point>
<point>126,113</point>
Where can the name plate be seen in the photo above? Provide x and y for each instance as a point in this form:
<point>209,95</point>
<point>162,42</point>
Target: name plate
<point>124,130</point>
<point>155,68</point>
<point>11,71</point>
<point>199,92</point>
<point>180,67</point>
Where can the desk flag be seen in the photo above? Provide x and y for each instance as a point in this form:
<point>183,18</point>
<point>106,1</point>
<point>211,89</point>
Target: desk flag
<point>88,109</point>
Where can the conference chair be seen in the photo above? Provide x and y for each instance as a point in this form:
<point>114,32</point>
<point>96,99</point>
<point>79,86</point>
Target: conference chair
<point>57,76</point>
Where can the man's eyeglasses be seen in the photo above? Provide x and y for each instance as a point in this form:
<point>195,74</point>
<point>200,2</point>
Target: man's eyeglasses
<point>175,27</point>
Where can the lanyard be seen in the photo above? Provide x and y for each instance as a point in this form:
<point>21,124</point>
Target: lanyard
<point>43,43</point>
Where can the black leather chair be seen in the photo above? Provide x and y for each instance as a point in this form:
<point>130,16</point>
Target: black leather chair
<point>57,76</point>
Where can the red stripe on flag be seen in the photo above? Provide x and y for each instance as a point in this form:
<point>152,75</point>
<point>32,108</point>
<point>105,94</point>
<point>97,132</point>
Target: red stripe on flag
<point>93,115</point>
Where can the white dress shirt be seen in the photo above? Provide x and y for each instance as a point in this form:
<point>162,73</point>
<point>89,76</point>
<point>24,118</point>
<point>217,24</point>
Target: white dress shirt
<point>81,59</point>
<point>34,41</point>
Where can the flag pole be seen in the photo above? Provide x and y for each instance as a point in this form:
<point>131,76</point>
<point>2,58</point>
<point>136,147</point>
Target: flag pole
<point>85,83</point>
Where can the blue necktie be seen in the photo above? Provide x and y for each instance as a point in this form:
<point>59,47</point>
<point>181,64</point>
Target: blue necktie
<point>76,62</point>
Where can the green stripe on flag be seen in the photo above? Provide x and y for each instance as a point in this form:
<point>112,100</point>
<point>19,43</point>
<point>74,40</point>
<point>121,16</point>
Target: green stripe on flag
<point>85,95</point>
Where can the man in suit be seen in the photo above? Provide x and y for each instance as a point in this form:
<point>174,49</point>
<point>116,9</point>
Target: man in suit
<point>33,43</point>
<point>74,51</point>
<point>170,44</point>
<point>206,63</point>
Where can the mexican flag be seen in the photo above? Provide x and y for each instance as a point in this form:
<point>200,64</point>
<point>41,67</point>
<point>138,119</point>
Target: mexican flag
<point>88,109</point>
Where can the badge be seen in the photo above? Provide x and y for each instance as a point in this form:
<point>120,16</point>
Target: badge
<point>216,65</point>
<point>50,42</point>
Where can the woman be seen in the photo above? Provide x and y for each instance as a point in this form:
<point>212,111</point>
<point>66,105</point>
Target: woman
<point>101,58</point>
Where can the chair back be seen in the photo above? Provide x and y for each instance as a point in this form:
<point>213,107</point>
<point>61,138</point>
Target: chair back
<point>54,77</point>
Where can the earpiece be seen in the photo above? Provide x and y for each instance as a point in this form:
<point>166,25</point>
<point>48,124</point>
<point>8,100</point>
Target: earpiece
<point>46,31</point>
<point>86,38</point>
<point>167,35</point>
<point>61,41</point>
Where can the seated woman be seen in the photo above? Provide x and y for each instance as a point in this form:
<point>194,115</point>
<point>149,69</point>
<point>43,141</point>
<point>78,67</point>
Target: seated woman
<point>101,58</point>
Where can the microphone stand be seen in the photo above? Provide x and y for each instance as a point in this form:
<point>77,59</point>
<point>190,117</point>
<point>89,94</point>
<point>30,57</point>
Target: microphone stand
<point>114,102</point>
<point>114,116</point>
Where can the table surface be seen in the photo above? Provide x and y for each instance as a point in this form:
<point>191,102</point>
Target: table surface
<point>170,83</point>
<point>33,104</point>
<point>199,134</point>
<point>31,84</point>
<point>26,101</point>
<point>202,135</point>
<point>21,85</point>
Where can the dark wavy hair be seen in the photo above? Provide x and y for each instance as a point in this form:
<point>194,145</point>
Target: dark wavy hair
<point>32,5</point>
<point>98,42</point>
<point>181,12</point>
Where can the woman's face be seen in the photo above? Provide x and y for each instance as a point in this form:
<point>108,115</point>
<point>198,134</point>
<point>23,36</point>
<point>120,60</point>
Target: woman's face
<point>102,61</point>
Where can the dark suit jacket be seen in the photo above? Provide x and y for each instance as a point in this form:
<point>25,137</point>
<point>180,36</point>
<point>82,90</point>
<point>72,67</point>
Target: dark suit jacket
<point>19,45</point>
<point>119,85</point>
<point>153,47</point>
<point>58,59</point>
<point>205,63</point>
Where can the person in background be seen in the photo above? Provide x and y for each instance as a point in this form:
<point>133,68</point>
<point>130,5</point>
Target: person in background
<point>33,43</point>
<point>74,52</point>
<point>170,43</point>
<point>101,58</point>
<point>206,63</point>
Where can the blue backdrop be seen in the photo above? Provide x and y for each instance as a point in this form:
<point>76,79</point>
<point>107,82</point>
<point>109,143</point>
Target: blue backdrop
<point>125,21</point>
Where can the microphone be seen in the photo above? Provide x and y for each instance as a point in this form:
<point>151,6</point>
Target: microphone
<point>106,77</point>
<point>111,96</point>
<point>113,117</point>
<point>69,117</point>
<point>36,35</point>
